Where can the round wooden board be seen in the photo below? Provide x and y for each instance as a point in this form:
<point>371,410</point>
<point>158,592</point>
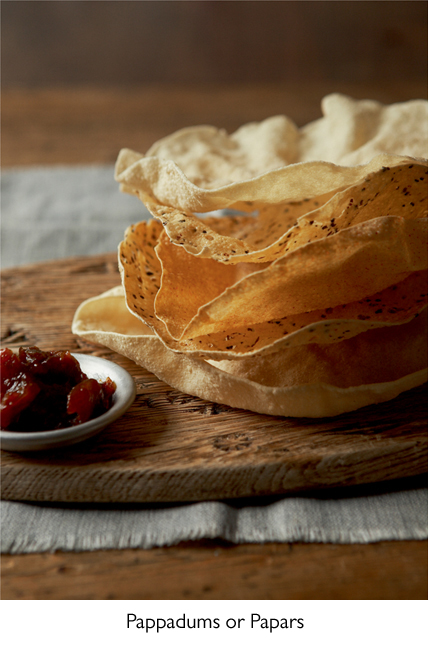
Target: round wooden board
<point>172,447</point>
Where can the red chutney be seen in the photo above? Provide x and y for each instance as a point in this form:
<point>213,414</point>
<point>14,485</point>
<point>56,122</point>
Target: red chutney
<point>41,391</point>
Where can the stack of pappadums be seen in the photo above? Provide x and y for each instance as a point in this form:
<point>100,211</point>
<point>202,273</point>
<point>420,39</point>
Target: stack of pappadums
<point>285,269</point>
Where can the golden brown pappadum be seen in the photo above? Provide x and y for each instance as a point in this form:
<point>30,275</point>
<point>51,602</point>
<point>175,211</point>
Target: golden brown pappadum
<point>347,267</point>
<point>398,190</point>
<point>395,305</point>
<point>201,281</point>
<point>186,284</point>
<point>106,320</point>
<point>188,289</point>
<point>375,356</point>
<point>311,301</point>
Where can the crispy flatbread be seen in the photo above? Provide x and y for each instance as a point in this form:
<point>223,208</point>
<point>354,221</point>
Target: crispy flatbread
<point>106,320</point>
<point>309,296</point>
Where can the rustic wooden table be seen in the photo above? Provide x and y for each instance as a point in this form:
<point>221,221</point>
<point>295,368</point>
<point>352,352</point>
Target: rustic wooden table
<point>90,125</point>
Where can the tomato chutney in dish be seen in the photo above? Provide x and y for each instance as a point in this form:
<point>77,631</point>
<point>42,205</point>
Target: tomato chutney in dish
<point>43,391</point>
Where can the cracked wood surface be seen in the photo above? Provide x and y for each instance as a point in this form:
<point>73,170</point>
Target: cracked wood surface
<point>173,447</point>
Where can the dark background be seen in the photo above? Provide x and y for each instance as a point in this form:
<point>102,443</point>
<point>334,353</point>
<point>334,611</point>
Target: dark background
<point>105,42</point>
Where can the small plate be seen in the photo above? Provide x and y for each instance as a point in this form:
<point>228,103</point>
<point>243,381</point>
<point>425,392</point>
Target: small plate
<point>96,368</point>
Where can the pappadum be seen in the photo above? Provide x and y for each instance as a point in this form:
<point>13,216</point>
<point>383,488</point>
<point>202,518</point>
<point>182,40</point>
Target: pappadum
<point>106,320</point>
<point>199,168</point>
<point>309,296</point>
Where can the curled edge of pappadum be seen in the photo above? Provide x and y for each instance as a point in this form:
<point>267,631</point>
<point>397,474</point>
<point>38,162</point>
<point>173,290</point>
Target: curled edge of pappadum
<point>162,182</point>
<point>374,356</point>
<point>210,156</point>
<point>395,305</point>
<point>252,337</point>
<point>105,320</point>
<point>322,327</point>
<point>189,283</point>
<point>280,227</point>
<point>367,258</point>
<point>350,132</point>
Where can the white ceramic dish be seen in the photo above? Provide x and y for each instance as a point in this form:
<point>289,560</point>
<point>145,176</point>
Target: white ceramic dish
<point>96,368</point>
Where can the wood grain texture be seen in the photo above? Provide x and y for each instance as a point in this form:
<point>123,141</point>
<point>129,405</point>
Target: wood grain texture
<point>211,570</point>
<point>175,447</point>
<point>86,125</point>
<point>91,124</point>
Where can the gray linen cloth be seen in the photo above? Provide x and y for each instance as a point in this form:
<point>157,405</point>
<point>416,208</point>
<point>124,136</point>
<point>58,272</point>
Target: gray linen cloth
<point>54,212</point>
<point>49,213</point>
<point>28,528</point>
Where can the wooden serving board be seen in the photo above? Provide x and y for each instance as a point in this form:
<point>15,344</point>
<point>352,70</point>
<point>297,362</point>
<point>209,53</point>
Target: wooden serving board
<point>173,447</point>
